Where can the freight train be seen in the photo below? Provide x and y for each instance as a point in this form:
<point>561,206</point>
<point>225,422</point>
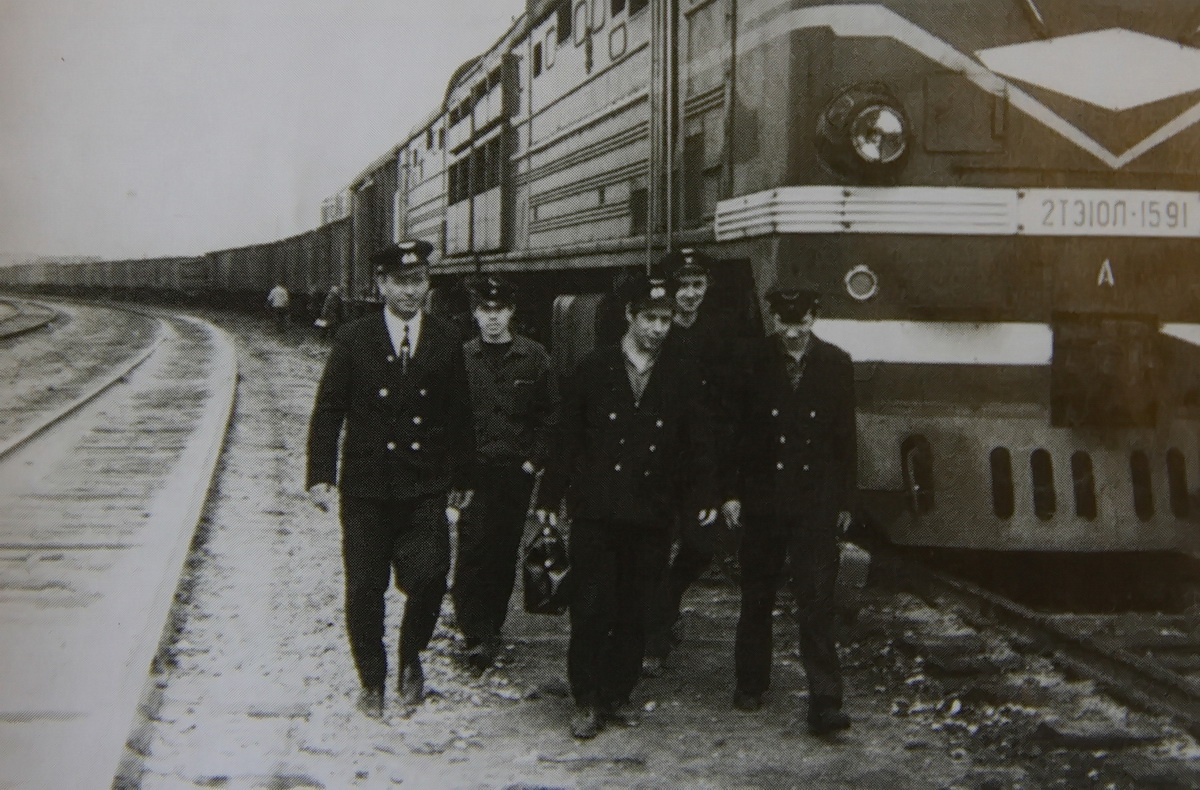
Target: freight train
<point>1000,202</point>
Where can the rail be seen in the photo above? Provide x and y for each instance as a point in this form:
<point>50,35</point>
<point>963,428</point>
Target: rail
<point>1140,681</point>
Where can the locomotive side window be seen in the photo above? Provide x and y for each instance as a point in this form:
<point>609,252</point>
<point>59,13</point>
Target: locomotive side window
<point>637,5</point>
<point>618,6</point>
<point>565,15</point>
<point>537,59</point>
<point>638,203</point>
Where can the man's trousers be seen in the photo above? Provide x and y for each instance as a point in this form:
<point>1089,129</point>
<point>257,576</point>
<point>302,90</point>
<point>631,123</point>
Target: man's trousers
<point>614,567</point>
<point>809,542</point>
<point>409,537</point>
<point>697,546</point>
<point>489,534</point>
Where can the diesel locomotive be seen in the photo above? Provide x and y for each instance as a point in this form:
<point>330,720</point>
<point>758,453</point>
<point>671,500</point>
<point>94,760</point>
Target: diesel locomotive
<point>1000,202</point>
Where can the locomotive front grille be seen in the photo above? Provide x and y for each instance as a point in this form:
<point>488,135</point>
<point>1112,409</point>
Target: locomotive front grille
<point>1140,485</point>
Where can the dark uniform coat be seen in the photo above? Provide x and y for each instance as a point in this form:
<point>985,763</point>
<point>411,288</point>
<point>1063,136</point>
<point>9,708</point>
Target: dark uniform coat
<point>795,469</point>
<point>408,434</point>
<point>618,461</point>
<point>795,449</point>
<point>515,401</point>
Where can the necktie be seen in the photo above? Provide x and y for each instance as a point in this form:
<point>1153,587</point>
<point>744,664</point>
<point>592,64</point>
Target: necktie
<point>405,351</point>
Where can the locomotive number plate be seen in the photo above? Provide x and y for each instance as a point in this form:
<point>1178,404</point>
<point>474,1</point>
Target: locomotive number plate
<point>1108,212</point>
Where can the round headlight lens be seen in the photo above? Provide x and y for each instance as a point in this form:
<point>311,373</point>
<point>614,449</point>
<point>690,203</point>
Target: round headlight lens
<point>878,134</point>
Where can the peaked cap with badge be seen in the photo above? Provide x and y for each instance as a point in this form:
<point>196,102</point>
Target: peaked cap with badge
<point>684,262</point>
<point>403,256</point>
<point>792,300</point>
<point>492,289</point>
<point>643,291</point>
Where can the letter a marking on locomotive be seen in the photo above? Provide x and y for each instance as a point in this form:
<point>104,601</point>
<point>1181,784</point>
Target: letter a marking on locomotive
<point>1106,274</point>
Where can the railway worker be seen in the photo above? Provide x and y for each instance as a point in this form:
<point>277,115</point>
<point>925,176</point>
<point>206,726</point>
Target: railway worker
<point>701,336</point>
<point>331,312</point>
<point>279,303</point>
<point>629,432</point>
<point>795,485</point>
<point>515,398</point>
<point>397,383</point>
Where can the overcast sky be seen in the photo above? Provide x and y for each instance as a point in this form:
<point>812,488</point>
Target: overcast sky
<point>150,127</point>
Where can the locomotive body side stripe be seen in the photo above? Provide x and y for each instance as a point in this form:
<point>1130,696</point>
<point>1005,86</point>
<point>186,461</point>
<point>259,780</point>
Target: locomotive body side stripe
<point>875,21</point>
<point>939,342</point>
<point>955,343</point>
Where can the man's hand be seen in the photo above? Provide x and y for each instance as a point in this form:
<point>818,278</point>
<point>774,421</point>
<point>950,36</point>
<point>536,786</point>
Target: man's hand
<point>322,495</point>
<point>706,517</point>
<point>546,516</point>
<point>528,467</point>
<point>844,520</point>
<point>732,511</point>
<point>460,500</point>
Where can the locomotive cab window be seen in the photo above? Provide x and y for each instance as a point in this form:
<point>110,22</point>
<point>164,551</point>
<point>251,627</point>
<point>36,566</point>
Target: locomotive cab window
<point>565,14</point>
<point>618,6</point>
<point>637,5</point>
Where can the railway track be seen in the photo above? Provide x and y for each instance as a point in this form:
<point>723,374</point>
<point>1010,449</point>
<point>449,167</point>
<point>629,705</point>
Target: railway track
<point>1147,660</point>
<point>102,479</point>
<point>19,316</point>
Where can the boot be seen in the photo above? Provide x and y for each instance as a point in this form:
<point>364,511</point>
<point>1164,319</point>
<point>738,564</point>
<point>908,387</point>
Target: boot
<point>827,719</point>
<point>370,703</point>
<point>586,723</point>
<point>622,714</point>
<point>412,685</point>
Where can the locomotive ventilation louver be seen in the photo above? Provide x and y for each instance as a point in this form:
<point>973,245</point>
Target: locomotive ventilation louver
<point>864,133</point>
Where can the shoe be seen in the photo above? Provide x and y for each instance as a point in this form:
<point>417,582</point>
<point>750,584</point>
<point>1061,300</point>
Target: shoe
<point>677,632</point>
<point>370,703</point>
<point>622,714</point>
<point>412,685</point>
<point>823,721</point>
<point>482,656</point>
<point>586,723</point>
<point>652,667</point>
<point>746,701</point>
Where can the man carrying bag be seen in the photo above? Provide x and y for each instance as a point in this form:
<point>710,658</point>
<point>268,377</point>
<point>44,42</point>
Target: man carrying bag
<point>630,435</point>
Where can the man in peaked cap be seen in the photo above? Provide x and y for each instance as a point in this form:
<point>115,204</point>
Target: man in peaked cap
<point>793,484</point>
<point>629,435</point>
<point>395,383</point>
<point>705,338</point>
<point>515,398</point>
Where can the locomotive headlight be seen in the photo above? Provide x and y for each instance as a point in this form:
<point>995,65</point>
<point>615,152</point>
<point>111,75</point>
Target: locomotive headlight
<point>864,134</point>
<point>878,135</point>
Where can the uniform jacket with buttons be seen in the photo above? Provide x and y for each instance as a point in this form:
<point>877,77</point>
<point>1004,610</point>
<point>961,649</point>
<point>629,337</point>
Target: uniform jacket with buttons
<point>795,450</point>
<point>408,432</point>
<point>515,402</point>
<point>620,461</point>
